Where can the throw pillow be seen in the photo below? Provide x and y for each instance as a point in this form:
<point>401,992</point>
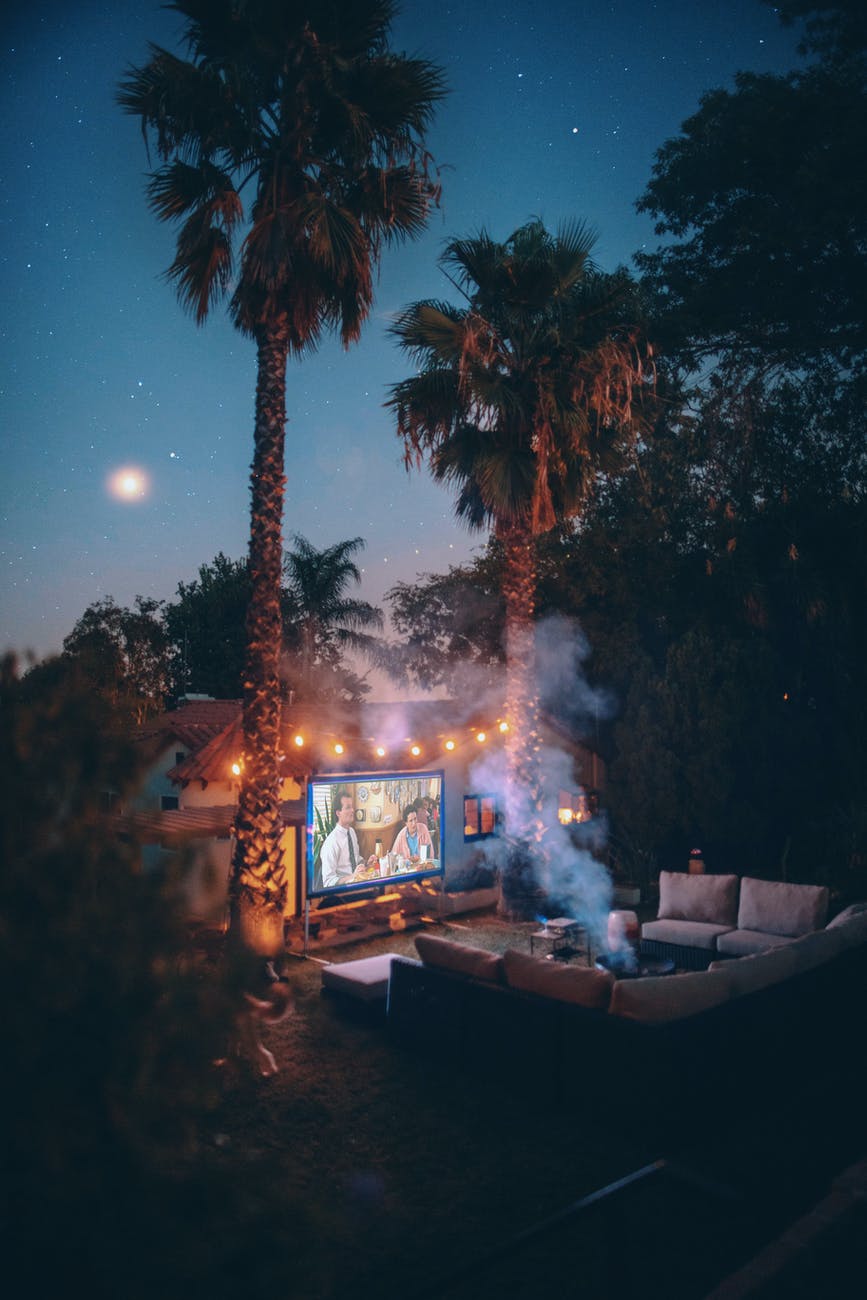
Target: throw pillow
<point>712,899</point>
<point>780,908</point>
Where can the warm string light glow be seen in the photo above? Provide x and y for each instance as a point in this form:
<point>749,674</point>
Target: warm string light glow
<point>414,748</point>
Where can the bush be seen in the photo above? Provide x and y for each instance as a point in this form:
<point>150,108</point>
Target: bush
<point>110,1030</point>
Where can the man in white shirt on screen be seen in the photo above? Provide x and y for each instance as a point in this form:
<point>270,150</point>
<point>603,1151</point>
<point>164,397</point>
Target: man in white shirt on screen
<point>341,858</point>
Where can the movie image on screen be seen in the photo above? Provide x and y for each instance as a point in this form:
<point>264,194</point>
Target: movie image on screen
<point>365,829</point>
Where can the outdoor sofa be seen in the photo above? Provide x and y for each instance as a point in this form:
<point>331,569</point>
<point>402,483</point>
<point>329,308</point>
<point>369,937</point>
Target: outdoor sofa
<point>662,1053</point>
<point>703,917</point>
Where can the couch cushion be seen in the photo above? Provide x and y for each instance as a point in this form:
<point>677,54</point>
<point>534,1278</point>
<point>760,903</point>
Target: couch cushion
<point>669,997</point>
<point>688,934</point>
<point>553,979</point>
<point>813,949</point>
<point>757,971</point>
<point>744,943</point>
<point>854,909</point>
<point>712,899</point>
<point>458,957</point>
<point>852,929</point>
<point>780,908</point>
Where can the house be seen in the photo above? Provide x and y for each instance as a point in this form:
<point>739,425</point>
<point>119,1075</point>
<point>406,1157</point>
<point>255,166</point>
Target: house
<point>170,738</point>
<point>195,765</point>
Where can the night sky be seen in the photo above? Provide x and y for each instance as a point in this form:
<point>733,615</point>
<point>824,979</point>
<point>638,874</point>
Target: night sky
<point>555,110</point>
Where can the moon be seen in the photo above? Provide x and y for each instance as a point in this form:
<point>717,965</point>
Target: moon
<point>128,483</point>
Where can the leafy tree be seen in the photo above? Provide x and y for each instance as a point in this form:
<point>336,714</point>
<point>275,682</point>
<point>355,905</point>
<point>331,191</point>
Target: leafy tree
<point>124,654</point>
<point>306,108</point>
<point>725,566</point>
<point>835,29</point>
<point>522,395</point>
<point>763,278</point>
<point>206,627</point>
<point>719,581</point>
<point>112,1034</point>
<point>451,623</point>
<point>765,210</point>
<point>322,621</point>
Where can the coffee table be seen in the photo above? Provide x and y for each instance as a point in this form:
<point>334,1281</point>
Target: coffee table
<point>563,938</point>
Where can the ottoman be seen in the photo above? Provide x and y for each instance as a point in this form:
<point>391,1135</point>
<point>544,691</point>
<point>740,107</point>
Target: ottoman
<point>363,981</point>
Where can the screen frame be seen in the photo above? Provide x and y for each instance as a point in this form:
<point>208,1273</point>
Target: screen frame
<point>376,883</point>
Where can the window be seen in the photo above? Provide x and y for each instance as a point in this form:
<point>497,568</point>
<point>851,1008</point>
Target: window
<point>169,802</point>
<point>480,816</point>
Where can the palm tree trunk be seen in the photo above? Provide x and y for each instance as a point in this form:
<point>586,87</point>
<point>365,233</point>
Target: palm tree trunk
<point>258,886</point>
<point>524,824</point>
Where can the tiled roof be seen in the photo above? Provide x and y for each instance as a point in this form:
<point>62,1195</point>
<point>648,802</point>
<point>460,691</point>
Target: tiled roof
<point>191,725</point>
<point>213,760</point>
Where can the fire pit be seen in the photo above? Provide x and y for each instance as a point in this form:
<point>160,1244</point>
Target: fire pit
<point>629,965</point>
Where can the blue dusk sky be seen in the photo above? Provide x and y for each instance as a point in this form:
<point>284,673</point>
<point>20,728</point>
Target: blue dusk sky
<point>555,110</point>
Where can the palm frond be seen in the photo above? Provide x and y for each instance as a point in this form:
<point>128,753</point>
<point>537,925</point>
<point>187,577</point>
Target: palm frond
<point>475,263</point>
<point>307,103</point>
<point>523,394</point>
<point>572,248</point>
<point>175,189</point>
<point>431,331</point>
<point>202,266</point>
<point>183,104</point>
<point>397,96</point>
<point>394,203</point>
<point>335,239</point>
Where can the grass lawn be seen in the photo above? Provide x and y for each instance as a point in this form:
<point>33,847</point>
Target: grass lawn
<point>396,1169</point>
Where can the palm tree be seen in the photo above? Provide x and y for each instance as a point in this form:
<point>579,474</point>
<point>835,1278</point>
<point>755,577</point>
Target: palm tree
<point>303,108</point>
<point>521,396</point>
<point>325,619</point>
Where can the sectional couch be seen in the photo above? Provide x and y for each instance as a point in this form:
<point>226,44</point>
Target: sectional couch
<point>658,1052</point>
<point>705,917</point>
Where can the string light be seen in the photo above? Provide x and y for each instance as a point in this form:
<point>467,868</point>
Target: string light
<point>450,744</point>
<point>236,769</point>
